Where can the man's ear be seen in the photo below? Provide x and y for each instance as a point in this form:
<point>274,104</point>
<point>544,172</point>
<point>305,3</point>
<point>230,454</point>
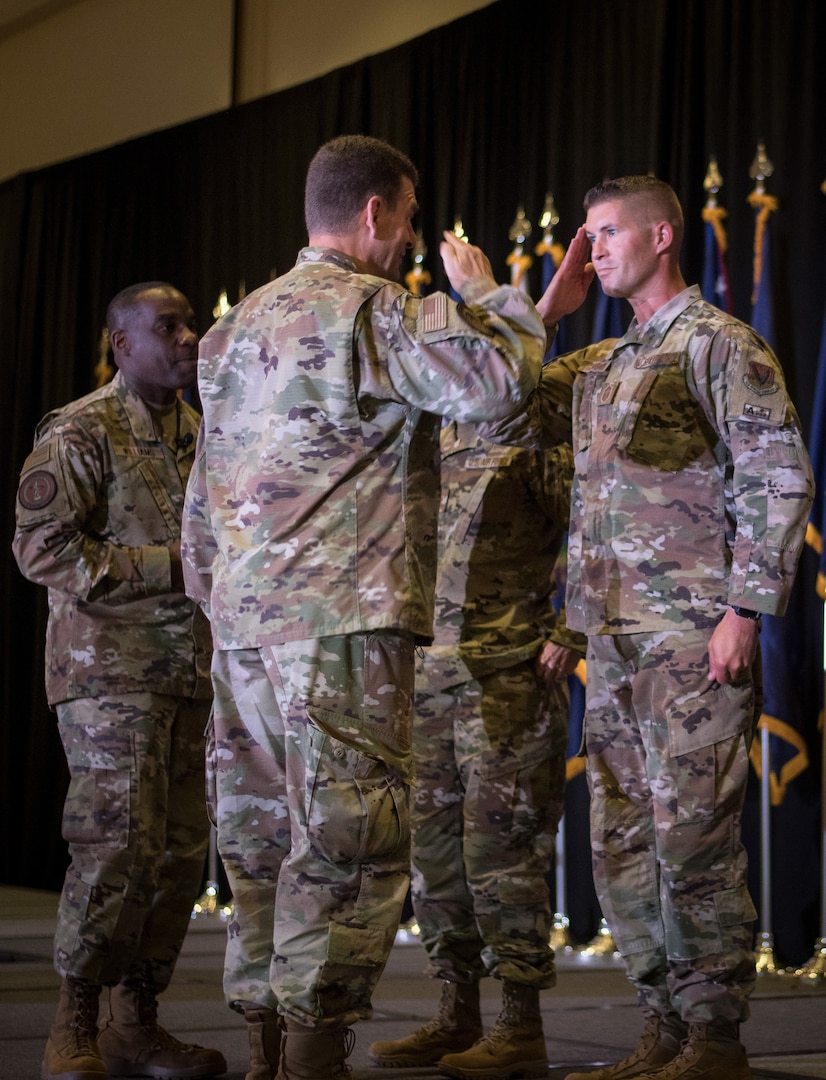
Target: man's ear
<point>663,235</point>
<point>372,213</point>
<point>119,341</point>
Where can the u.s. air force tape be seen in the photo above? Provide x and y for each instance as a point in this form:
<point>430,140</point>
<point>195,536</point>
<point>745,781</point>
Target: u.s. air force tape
<point>37,490</point>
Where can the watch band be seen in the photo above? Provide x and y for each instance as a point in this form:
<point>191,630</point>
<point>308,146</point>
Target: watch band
<point>745,613</point>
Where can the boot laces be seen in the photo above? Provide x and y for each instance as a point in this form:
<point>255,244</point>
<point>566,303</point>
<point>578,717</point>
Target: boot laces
<point>83,1040</point>
<point>690,1051</point>
<point>342,1069</point>
<point>501,1031</point>
<point>85,1023</point>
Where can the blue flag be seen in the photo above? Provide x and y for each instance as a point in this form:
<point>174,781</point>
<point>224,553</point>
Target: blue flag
<point>789,677</point>
<point>715,284</point>
<point>817,452</point>
<point>762,298</point>
<point>551,255</point>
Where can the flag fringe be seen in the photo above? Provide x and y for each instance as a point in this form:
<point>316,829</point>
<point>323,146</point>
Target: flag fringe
<point>519,265</point>
<point>714,215</point>
<point>791,768</point>
<point>555,250</point>
<point>765,205</point>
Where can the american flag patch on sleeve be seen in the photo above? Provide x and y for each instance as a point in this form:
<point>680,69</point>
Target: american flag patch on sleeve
<point>433,314</point>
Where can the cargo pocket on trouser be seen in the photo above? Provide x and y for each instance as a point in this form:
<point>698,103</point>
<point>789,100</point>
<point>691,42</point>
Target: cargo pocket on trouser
<point>358,827</point>
<point>702,857</point>
<point>96,825</point>
<point>98,803</point>
<point>508,844</point>
<point>357,808</point>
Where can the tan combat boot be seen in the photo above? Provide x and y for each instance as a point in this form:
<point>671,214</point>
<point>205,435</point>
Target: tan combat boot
<point>71,1050</point>
<point>456,1026</point>
<point>659,1044</point>
<point>515,1045</point>
<point>265,1030</point>
<point>132,1042</point>
<point>711,1051</point>
<point>315,1054</point>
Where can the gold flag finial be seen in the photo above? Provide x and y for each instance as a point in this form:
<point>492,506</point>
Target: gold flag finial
<point>761,168</point>
<point>549,216</point>
<point>222,305</point>
<point>419,249</point>
<point>521,228</point>
<point>713,181</point>
<point>518,261</point>
<point>418,278</point>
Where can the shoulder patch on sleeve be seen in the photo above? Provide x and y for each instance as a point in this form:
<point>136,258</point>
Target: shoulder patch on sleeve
<point>433,313</point>
<point>756,391</point>
<point>760,378</point>
<point>37,489</point>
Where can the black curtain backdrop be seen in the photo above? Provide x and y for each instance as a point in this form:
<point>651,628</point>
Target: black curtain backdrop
<point>496,109</point>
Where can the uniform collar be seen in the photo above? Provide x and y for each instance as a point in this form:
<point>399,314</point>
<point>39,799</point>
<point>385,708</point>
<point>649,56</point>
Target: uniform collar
<point>137,411</point>
<point>327,255</point>
<point>652,332</point>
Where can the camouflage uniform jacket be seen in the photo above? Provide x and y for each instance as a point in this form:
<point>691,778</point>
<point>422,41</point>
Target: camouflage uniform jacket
<point>100,500</point>
<point>502,520</point>
<point>692,485</point>
<point>312,506</point>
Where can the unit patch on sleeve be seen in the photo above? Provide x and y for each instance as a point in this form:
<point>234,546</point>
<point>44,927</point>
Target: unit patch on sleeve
<point>37,490</point>
<point>760,378</point>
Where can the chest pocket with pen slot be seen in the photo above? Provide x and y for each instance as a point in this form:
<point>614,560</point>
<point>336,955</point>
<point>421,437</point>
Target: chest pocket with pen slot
<point>662,425</point>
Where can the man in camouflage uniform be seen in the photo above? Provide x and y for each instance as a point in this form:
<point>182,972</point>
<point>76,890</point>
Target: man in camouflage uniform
<point>127,671</point>
<point>310,539</point>
<point>691,494</point>
<point>489,749</point>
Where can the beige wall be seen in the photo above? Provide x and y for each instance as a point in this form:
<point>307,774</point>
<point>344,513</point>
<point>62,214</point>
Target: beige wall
<point>92,73</point>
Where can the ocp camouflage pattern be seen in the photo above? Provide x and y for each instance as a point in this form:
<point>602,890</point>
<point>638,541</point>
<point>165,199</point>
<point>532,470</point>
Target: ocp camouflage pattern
<point>312,507</point>
<point>692,486</point>
<point>100,501</point>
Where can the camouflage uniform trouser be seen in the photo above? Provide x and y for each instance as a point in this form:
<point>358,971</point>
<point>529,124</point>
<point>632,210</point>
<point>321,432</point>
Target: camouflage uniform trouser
<point>667,766</point>
<point>488,797</point>
<point>136,824</point>
<point>309,756</point>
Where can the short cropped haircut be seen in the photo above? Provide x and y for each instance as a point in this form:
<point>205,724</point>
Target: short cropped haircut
<point>344,173</point>
<point>122,307</point>
<point>657,200</point>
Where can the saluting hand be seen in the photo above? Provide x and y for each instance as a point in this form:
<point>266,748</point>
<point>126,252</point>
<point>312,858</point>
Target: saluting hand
<point>463,261</point>
<point>569,285</point>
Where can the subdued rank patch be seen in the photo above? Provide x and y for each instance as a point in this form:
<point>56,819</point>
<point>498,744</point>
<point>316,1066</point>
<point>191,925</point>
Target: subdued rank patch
<point>760,378</point>
<point>37,490</point>
<point>433,314</point>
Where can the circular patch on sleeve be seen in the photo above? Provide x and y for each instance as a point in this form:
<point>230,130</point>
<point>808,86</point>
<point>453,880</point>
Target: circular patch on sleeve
<point>37,490</point>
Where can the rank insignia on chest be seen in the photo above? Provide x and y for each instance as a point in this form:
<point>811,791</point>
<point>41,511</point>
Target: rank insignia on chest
<point>760,378</point>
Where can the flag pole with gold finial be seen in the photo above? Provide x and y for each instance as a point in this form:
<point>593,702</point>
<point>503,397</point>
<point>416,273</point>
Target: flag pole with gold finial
<point>518,260</point>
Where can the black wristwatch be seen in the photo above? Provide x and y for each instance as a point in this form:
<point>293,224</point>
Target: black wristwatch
<point>744,613</point>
